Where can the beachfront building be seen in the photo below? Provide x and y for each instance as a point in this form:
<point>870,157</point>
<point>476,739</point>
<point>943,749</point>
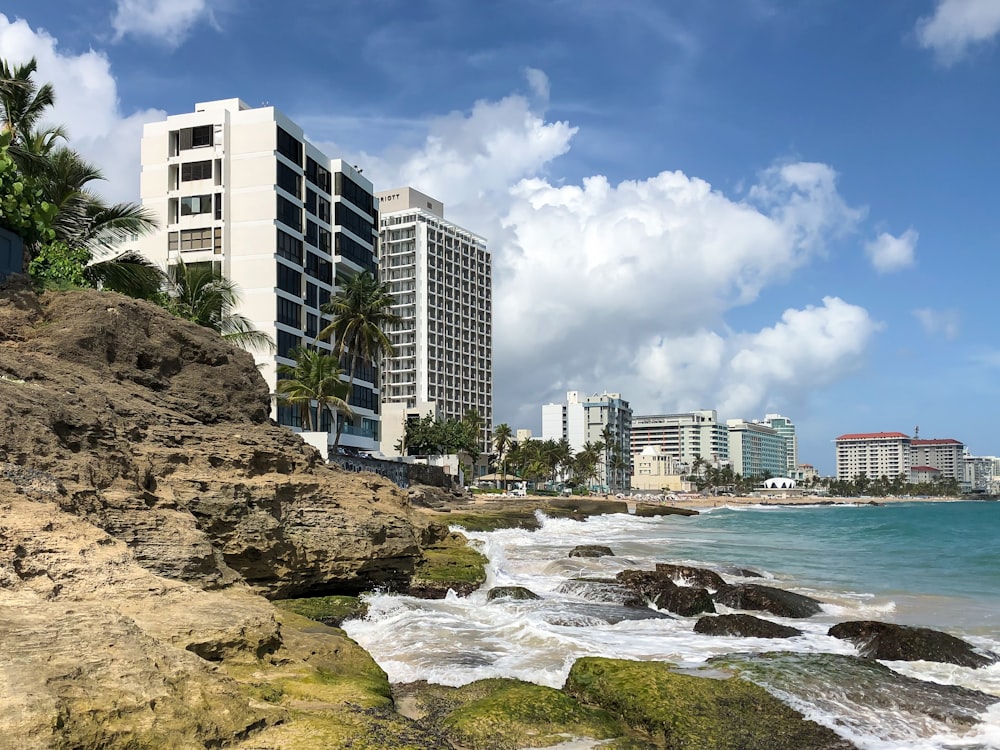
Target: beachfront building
<point>441,279</point>
<point>785,428</point>
<point>982,475</point>
<point>921,474</point>
<point>241,188</point>
<point>686,436</point>
<point>873,454</point>
<point>601,417</point>
<point>944,454</point>
<point>655,470</point>
<point>756,449</point>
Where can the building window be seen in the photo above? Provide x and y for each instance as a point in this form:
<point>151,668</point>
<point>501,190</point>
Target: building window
<point>289,214</point>
<point>311,295</point>
<point>317,175</point>
<point>286,343</point>
<point>218,206</point>
<point>353,250</point>
<point>196,239</point>
<point>319,268</point>
<point>289,247</point>
<point>196,204</point>
<point>196,170</point>
<point>289,313</point>
<point>312,233</point>
<point>289,181</point>
<point>349,219</point>
<point>289,147</point>
<point>289,280</point>
<point>352,191</point>
<point>196,137</point>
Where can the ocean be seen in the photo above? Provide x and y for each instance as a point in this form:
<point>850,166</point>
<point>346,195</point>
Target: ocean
<point>929,564</point>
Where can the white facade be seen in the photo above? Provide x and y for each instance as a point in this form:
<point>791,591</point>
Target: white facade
<point>441,279</point>
<point>786,429</point>
<point>945,455</point>
<point>241,188</point>
<point>601,417</point>
<point>873,454</point>
<point>685,436</point>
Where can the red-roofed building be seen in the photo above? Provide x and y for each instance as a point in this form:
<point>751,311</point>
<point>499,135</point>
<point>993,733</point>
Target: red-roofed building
<point>924,474</point>
<point>873,454</point>
<point>946,455</point>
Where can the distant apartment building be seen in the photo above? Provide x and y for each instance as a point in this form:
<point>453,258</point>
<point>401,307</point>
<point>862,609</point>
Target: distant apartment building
<point>240,188</point>
<point>684,436</point>
<point>785,428</point>
<point>601,417</point>
<point>655,470</point>
<point>946,455</point>
<point>756,449</point>
<point>982,475</point>
<point>873,454</point>
<point>441,280</point>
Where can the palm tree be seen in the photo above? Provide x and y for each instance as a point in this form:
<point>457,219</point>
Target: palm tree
<point>361,315</point>
<point>201,294</point>
<point>503,439</point>
<point>314,378</point>
<point>22,102</point>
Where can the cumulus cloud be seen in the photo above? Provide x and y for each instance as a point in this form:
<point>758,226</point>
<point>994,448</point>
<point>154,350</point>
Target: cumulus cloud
<point>957,26</point>
<point>939,322</point>
<point>627,286</point>
<point>86,104</point>
<point>888,253</point>
<point>166,21</point>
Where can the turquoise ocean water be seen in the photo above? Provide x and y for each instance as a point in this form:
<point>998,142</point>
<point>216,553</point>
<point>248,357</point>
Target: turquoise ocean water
<point>928,564</point>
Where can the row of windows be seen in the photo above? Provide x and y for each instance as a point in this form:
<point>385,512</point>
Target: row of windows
<point>353,250</point>
<point>289,147</point>
<point>289,247</point>
<point>196,170</point>
<point>352,191</point>
<point>195,239</point>
<point>289,180</point>
<point>317,175</point>
<point>289,313</point>
<point>289,280</point>
<point>347,218</point>
<point>317,236</point>
<point>319,268</point>
<point>318,205</point>
<point>192,205</point>
<point>289,214</point>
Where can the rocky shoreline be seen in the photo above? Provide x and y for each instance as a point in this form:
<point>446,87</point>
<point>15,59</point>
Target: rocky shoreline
<point>174,566</point>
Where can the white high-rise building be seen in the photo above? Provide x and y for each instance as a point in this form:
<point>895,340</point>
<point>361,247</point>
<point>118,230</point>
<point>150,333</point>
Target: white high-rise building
<point>944,454</point>
<point>602,417</point>
<point>242,189</point>
<point>785,428</point>
<point>756,449</point>
<point>873,454</point>
<point>441,278</point>
<point>684,436</point>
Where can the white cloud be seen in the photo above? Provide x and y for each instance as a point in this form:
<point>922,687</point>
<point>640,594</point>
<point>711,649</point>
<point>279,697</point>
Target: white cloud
<point>888,253</point>
<point>939,322</point>
<point>167,21</point>
<point>86,104</point>
<point>626,286</point>
<point>958,25</point>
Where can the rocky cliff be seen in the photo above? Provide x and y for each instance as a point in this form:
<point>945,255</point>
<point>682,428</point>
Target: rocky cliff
<point>146,503</point>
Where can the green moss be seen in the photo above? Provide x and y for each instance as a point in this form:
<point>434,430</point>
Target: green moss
<point>502,714</point>
<point>451,561</point>
<point>491,520</point>
<point>331,610</point>
<point>682,712</point>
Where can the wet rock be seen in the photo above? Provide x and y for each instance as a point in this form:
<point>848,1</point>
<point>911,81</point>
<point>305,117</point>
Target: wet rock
<point>768,599</point>
<point>686,712</point>
<point>601,590</point>
<point>510,592</point>
<point>889,642</point>
<point>746,626</point>
<point>653,511</point>
<point>691,576</point>
<point>591,550</point>
<point>660,589</point>
<point>585,614</point>
<point>861,691</point>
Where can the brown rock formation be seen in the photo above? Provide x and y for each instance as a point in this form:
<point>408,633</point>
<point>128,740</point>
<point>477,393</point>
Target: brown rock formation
<point>156,431</point>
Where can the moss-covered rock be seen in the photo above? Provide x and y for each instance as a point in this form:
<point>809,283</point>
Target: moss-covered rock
<point>329,610</point>
<point>504,714</point>
<point>448,564</point>
<point>510,592</point>
<point>682,712</point>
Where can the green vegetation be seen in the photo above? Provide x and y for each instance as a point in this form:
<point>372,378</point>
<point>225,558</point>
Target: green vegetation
<point>451,562</point>
<point>428,436</point>
<point>330,610</point>
<point>683,712</point>
<point>315,378</point>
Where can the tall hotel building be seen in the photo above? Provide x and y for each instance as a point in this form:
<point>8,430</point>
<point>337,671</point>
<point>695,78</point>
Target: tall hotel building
<point>873,454</point>
<point>944,454</point>
<point>683,436</point>
<point>441,279</point>
<point>242,189</point>
<point>785,428</point>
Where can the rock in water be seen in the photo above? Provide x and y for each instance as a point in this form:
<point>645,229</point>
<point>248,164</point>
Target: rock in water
<point>776,601</point>
<point>662,592</point>
<point>746,626</point>
<point>692,576</point>
<point>889,642</point>
<point>510,592</point>
<point>591,550</point>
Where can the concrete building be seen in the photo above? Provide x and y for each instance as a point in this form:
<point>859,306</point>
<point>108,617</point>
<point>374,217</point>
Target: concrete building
<point>654,470</point>
<point>756,449</point>
<point>604,417</point>
<point>946,455</point>
<point>785,428</point>
<point>873,454</point>
<point>921,474</point>
<point>684,436</point>
<point>242,189</point>
<point>441,278</point>
<point>982,475</point>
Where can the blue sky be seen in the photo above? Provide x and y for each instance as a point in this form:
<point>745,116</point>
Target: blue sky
<point>747,205</point>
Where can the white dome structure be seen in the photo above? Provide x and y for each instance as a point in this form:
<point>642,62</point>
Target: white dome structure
<point>778,483</point>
